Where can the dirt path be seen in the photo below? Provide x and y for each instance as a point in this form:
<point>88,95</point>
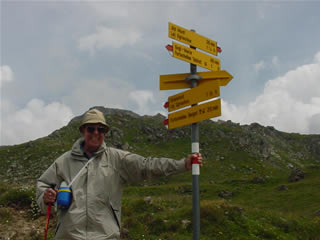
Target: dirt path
<point>19,226</point>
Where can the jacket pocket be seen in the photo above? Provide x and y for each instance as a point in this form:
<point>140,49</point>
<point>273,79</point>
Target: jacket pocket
<point>116,214</point>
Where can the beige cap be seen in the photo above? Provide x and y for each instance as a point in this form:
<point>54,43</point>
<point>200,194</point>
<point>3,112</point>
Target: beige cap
<point>94,116</point>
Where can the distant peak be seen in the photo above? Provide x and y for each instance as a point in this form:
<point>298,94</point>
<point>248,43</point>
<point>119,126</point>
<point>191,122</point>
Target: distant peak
<point>107,111</point>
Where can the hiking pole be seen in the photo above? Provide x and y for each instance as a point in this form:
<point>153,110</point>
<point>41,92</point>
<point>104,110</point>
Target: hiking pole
<point>47,224</point>
<point>48,216</point>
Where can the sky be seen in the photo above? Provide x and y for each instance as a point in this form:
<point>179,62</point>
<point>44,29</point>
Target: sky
<point>59,58</point>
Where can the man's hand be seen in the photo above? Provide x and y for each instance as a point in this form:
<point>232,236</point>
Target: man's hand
<point>50,195</point>
<point>188,160</point>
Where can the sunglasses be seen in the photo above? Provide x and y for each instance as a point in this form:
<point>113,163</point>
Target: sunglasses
<point>99,129</point>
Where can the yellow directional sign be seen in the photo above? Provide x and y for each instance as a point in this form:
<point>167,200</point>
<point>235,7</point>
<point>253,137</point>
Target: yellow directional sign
<point>174,85</point>
<point>205,91</point>
<point>198,58</point>
<point>177,81</point>
<point>191,38</point>
<point>174,81</point>
<point>195,114</point>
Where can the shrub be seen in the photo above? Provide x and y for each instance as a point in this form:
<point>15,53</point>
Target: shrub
<point>3,189</point>
<point>18,198</point>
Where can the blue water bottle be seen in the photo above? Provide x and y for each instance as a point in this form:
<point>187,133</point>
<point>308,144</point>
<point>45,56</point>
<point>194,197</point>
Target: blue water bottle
<point>64,196</point>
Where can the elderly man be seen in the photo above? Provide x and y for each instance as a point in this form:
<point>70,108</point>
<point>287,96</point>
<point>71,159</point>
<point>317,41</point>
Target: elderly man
<point>95,210</point>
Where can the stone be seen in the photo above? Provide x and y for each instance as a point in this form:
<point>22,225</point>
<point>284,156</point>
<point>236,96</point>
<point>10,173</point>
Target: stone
<point>148,199</point>
<point>147,130</point>
<point>296,175</point>
<point>185,223</point>
<point>125,146</point>
<point>225,194</point>
<point>290,165</point>
<point>283,188</point>
<point>316,214</point>
<point>233,167</point>
<point>258,180</point>
<point>116,134</point>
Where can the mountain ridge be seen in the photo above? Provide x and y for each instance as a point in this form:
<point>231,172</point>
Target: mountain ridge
<point>256,183</point>
<point>129,131</point>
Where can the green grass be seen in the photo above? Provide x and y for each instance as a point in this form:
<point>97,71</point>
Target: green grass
<point>169,218</point>
<point>233,158</point>
<point>256,211</point>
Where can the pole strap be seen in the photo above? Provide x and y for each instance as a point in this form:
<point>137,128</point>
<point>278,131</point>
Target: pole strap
<point>78,174</point>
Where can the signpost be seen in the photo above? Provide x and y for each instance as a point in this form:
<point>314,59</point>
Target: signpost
<point>204,86</point>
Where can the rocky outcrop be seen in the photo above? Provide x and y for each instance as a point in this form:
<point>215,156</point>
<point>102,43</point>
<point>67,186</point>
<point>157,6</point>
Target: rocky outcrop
<point>296,175</point>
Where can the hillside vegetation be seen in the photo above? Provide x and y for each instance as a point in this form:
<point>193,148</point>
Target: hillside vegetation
<point>256,183</point>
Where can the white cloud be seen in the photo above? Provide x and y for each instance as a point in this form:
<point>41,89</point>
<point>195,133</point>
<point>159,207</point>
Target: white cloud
<point>259,66</point>
<point>112,10</point>
<point>317,57</point>
<point>291,102</point>
<point>108,37</point>
<point>109,92</point>
<point>33,121</point>
<point>142,98</point>
<point>6,74</point>
<point>314,123</point>
<point>275,61</point>
<point>266,64</point>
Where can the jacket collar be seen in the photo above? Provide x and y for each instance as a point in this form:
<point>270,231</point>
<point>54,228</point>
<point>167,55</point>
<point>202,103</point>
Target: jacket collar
<point>78,153</point>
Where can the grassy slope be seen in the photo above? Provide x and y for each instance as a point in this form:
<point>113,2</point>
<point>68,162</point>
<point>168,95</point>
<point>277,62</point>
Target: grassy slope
<point>255,211</point>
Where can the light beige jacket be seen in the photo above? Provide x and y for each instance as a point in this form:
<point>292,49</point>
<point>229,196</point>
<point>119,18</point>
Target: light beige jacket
<point>95,211</point>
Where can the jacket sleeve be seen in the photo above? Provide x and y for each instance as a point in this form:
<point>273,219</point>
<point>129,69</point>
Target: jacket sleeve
<point>136,168</point>
<point>47,179</point>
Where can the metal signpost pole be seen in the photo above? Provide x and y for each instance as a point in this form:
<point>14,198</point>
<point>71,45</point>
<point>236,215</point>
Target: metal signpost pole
<point>208,88</point>
<point>193,78</point>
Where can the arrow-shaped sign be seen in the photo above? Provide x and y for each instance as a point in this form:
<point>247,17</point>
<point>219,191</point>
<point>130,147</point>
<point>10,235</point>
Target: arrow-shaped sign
<point>194,114</point>
<point>177,81</point>
<point>192,56</point>
<point>193,39</point>
<point>205,91</point>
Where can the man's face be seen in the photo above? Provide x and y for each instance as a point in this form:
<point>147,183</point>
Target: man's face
<point>93,135</point>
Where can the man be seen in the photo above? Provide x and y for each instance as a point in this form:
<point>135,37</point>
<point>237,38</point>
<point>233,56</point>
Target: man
<point>95,209</point>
